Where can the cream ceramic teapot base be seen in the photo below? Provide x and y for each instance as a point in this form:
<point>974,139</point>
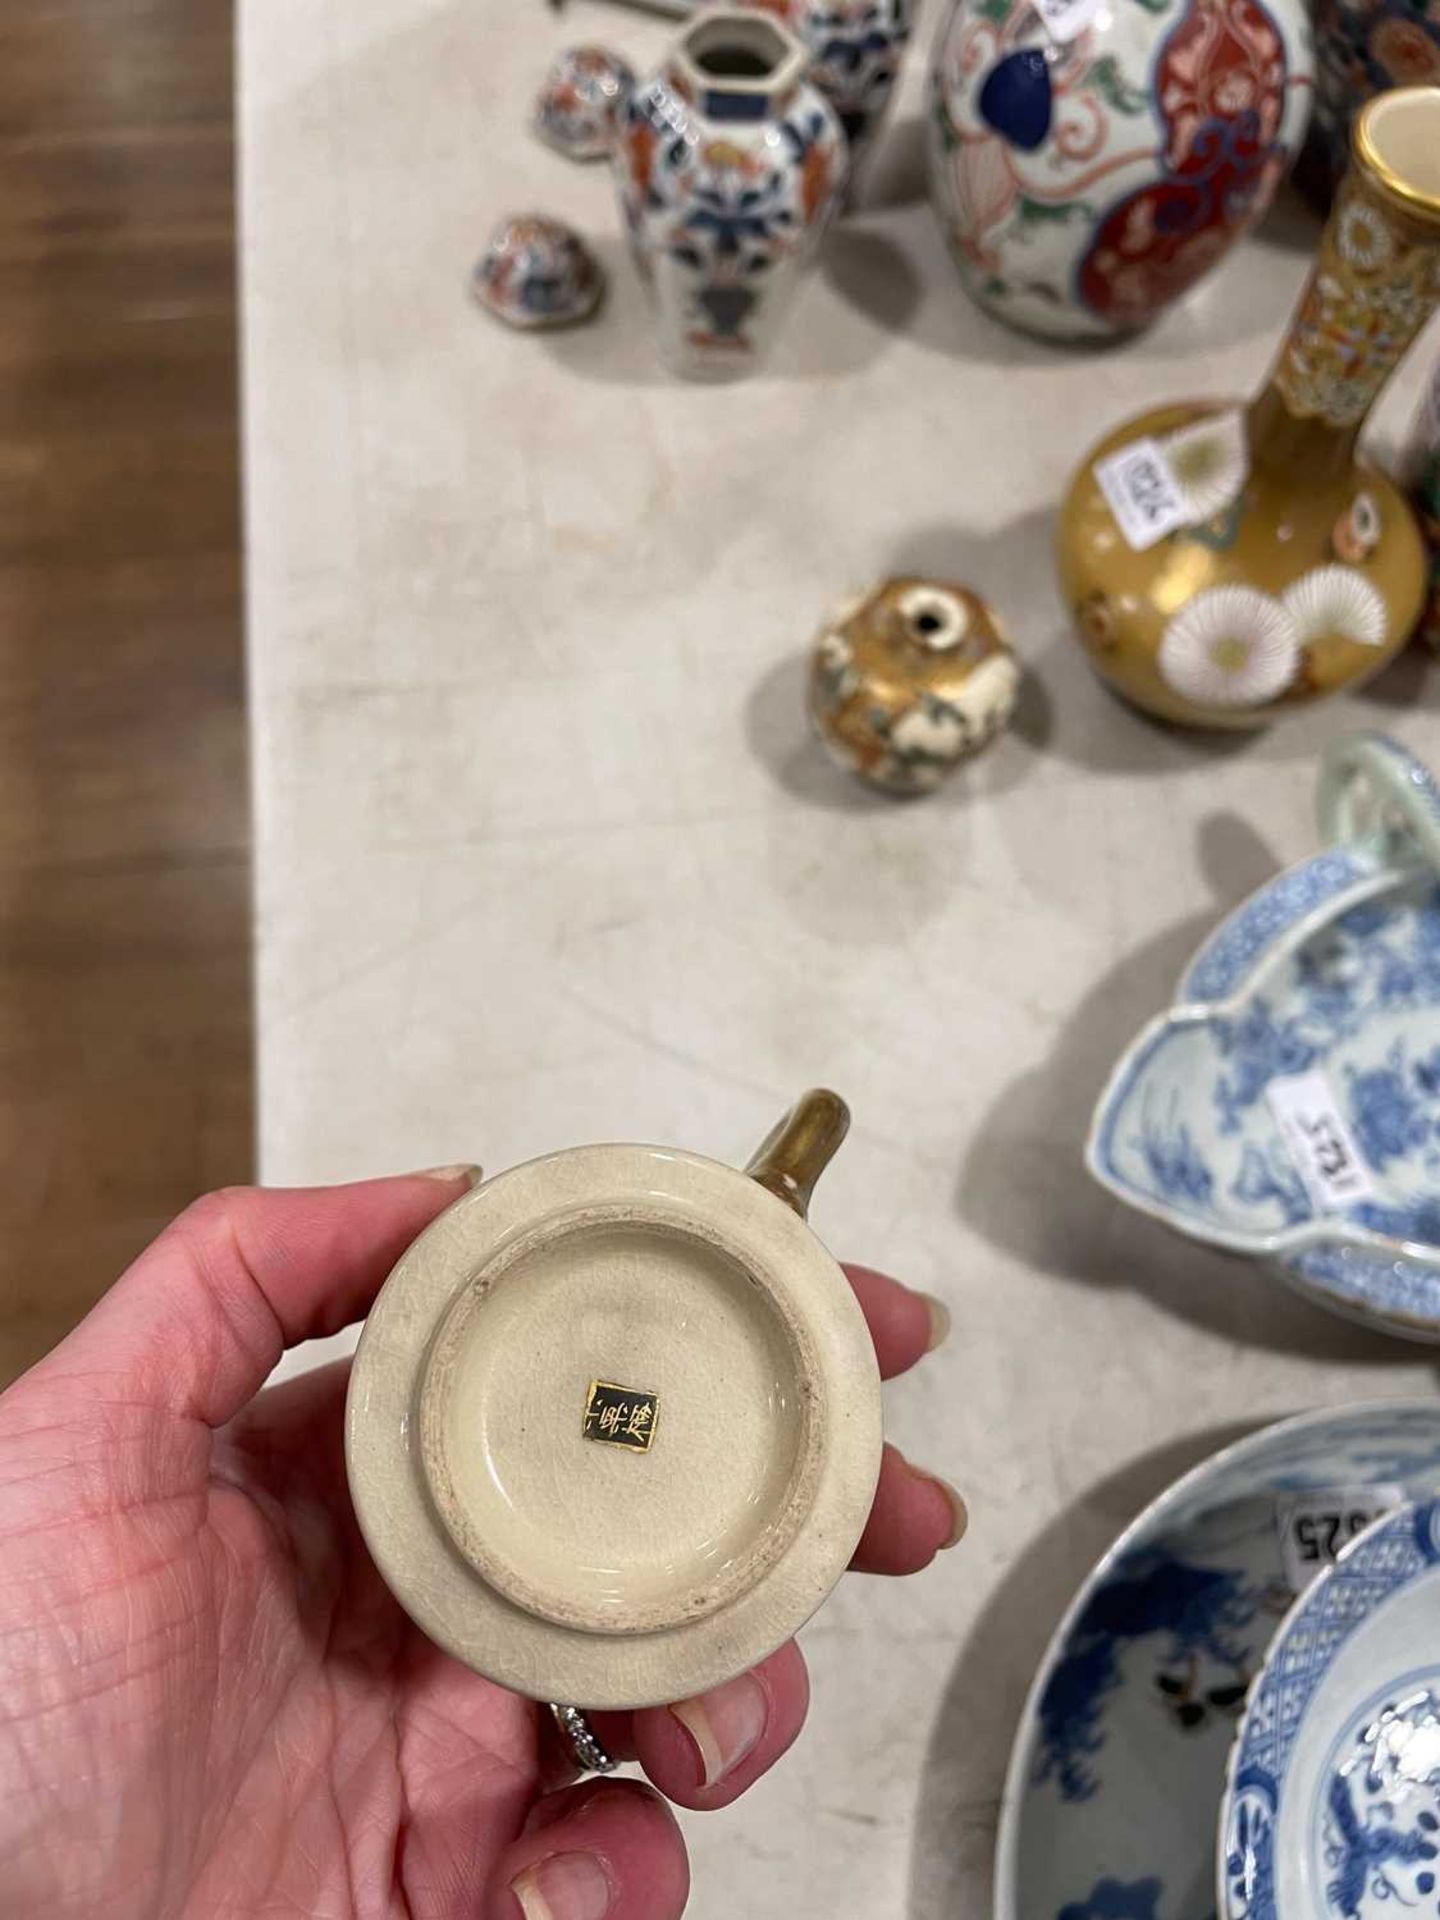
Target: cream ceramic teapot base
<point>613,1428</point>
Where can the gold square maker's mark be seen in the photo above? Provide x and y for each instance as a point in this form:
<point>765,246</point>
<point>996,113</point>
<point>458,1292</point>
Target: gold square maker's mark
<point>620,1416</point>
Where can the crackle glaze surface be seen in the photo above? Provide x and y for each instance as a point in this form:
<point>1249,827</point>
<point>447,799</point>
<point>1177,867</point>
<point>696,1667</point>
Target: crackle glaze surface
<point>506,1513</point>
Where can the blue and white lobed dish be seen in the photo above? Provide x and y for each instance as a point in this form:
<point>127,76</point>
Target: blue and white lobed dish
<point>1332,1811</point>
<point>1119,1762</point>
<point>1288,1105</point>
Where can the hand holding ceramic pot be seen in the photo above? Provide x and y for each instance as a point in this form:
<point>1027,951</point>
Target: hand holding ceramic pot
<point>209,1699</point>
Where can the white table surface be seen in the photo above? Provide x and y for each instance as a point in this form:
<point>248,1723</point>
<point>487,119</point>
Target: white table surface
<point>545,854</point>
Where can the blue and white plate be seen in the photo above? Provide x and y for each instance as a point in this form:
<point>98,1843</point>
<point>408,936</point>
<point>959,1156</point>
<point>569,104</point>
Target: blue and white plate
<point>1119,1761</point>
<point>1333,1806</point>
<point>1288,1105</point>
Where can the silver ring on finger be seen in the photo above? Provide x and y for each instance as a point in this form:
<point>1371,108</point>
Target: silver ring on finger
<point>588,1753</point>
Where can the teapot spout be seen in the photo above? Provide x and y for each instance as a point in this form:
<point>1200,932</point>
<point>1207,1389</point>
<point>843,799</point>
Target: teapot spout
<point>794,1155</point>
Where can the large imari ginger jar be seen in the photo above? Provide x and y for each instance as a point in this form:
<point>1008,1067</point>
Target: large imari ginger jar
<point>729,165</point>
<point>1226,564</point>
<point>1090,171</point>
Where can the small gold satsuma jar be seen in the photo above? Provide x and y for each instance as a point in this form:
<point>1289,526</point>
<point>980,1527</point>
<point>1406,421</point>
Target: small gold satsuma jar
<point>909,681</point>
<point>1224,564</point>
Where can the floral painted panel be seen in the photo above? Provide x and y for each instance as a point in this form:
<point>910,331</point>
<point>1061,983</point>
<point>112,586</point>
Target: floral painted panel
<point>1085,185</point>
<point>1374,284</point>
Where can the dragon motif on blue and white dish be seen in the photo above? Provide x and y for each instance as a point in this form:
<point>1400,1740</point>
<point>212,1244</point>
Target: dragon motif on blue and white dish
<point>1378,1805</point>
<point>1197,1613</point>
<point>1381,1827</point>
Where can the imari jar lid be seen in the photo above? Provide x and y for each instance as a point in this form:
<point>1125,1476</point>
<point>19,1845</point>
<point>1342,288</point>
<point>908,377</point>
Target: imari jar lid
<point>614,1423</point>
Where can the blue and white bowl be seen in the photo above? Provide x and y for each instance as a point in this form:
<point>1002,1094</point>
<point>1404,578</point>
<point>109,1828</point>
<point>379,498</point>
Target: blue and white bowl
<point>1288,1105</point>
<point>1119,1762</point>
<point>1332,1811</point>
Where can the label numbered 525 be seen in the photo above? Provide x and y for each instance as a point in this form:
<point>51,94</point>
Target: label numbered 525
<point>1314,1527</point>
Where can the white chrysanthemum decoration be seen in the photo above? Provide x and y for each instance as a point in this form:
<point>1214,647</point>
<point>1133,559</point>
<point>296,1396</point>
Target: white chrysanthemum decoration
<point>1210,462</point>
<point>1337,603</point>
<point>1230,646</point>
<point>936,619</point>
<point>1363,237</point>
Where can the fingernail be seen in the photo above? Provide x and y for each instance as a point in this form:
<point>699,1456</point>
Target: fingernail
<point>959,1512</point>
<point>447,1176</point>
<point>725,1724</point>
<point>939,1322</point>
<point>566,1886</point>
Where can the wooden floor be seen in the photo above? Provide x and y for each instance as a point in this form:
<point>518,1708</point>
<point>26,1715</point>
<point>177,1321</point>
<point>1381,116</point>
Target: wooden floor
<point>125,1079</point>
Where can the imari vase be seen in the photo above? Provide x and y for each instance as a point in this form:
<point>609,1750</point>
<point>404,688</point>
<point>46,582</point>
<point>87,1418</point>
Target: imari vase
<point>729,167</point>
<point>855,49</point>
<point>1276,566</point>
<point>1090,160</point>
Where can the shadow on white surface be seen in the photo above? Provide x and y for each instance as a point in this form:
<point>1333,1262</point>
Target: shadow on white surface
<point>819,339</point>
<point>1411,680</point>
<point>957,1812</point>
<point>1065,709</point>
<point>918,292</point>
<point>1291,224</point>
<point>897,174</point>
<point>779,734</point>
<point>782,739</point>
<point>865,266</point>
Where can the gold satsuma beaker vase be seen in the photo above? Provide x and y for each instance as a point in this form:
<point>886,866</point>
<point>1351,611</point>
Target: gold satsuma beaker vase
<point>1227,564</point>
